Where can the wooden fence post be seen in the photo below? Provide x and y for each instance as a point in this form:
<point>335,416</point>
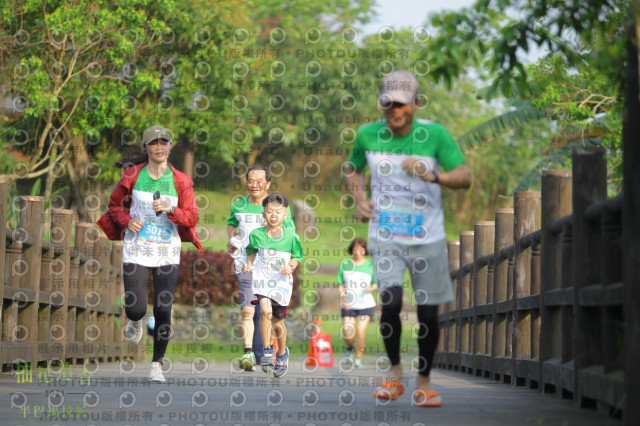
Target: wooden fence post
<point>484,233</point>
<point>117,348</point>
<point>526,221</point>
<point>45,348</point>
<point>464,284</point>
<point>102,253</point>
<point>61,223</point>
<point>4,191</point>
<point>453,358</point>
<point>556,203</point>
<point>631,231</point>
<point>612,316</point>
<point>500,348</point>
<point>31,215</point>
<point>589,186</point>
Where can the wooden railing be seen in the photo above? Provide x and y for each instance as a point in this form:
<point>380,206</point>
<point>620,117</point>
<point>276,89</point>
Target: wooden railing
<point>58,293</point>
<point>539,292</point>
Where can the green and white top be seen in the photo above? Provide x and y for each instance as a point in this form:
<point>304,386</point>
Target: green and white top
<point>158,242</point>
<point>273,254</point>
<point>247,217</point>
<point>407,209</point>
<point>355,279</point>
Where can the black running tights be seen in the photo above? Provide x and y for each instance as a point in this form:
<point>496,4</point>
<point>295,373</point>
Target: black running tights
<point>136,282</point>
<point>391,329</point>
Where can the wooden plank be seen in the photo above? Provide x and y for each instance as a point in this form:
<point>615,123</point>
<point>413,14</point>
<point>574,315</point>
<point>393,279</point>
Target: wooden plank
<point>608,388</point>
<point>527,303</point>
<point>600,295</point>
<point>559,297</point>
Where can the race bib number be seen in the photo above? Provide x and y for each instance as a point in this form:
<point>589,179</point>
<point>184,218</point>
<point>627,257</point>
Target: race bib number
<point>400,223</point>
<point>155,234</point>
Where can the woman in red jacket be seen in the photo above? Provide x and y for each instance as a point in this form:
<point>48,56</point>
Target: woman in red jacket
<point>153,209</point>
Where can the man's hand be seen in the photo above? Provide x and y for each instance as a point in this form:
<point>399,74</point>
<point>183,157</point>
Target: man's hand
<point>364,210</point>
<point>247,267</point>
<point>417,168</point>
<point>230,247</point>
<point>286,270</point>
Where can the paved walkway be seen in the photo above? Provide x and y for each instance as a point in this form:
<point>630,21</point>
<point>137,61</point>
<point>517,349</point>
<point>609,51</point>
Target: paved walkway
<point>218,394</point>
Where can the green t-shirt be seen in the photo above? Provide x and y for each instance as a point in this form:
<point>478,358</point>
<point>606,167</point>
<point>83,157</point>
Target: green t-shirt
<point>355,279</point>
<point>407,209</point>
<point>272,255</point>
<point>158,242</point>
<point>247,217</point>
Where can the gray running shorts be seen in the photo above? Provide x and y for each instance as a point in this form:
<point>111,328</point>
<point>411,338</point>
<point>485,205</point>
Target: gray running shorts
<point>428,265</point>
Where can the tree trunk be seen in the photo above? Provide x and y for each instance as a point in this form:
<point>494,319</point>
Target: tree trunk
<point>48,188</point>
<point>187,165</point>
<point>88,197</point>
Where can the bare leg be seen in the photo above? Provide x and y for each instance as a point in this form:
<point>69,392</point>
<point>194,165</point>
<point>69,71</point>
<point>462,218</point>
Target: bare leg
<point>348,331</point>
<point>247,326</point>
<point>362,322</point>
<point>281,334</point>
<point>265,322</point>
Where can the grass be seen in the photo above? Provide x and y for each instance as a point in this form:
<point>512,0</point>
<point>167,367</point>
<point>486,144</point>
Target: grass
<point>216,350</point>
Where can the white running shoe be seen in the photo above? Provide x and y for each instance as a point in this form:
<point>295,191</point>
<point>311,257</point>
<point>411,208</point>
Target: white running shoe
<point>133,331</point>
<point>155,375</point>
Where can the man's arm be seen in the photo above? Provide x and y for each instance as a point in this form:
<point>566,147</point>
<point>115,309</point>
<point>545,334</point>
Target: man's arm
<point>248,266</point>
<point>456,178</point>
<point>355,185</point>
<point>231,232</point>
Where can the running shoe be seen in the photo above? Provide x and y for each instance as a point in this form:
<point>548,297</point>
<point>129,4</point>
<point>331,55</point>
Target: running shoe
<point>282,363</point>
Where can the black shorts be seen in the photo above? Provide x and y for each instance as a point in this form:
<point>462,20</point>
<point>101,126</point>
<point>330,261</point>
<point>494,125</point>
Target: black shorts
<point>277,310</point>
<point>356,312</point>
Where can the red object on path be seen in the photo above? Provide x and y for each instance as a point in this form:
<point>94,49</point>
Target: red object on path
<point>320,349</point>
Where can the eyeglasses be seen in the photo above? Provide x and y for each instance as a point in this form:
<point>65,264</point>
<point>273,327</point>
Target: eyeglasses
<point>162,142</point>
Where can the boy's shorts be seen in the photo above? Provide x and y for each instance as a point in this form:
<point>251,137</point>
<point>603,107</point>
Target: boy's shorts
<point>277,310</point>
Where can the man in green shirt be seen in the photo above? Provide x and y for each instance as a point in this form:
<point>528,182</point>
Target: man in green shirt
<point>406,229</point>
<point>246,215</point>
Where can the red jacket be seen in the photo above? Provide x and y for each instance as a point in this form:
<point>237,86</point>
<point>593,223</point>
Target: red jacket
<point>116,220</point>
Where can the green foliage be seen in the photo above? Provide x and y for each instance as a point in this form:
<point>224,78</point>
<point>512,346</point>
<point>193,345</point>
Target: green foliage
<point>495,127</point>
<point>487,37</point>
<point>66,63</point>
<point>576,86</point>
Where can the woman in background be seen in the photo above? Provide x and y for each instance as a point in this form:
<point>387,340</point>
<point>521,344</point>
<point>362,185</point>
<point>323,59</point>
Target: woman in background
<point>355,285</point>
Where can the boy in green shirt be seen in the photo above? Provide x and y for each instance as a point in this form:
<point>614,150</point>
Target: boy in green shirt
<point>273,254</point>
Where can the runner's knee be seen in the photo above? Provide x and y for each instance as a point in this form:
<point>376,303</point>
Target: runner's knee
<point>391,301</point>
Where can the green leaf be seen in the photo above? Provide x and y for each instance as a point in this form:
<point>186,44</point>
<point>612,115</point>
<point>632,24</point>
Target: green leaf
<point>35,189</point>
